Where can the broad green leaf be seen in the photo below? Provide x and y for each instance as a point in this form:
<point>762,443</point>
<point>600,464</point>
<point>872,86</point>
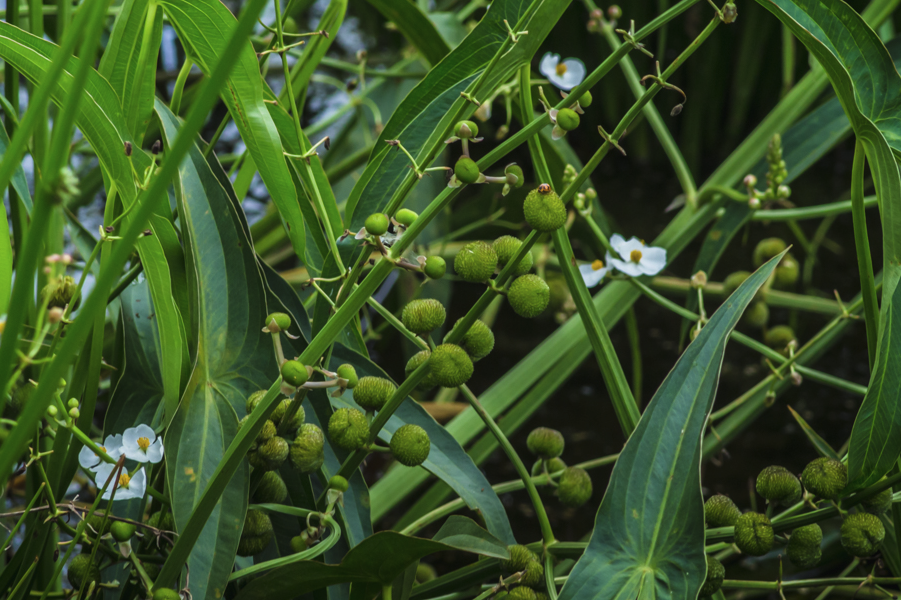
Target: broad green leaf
<point>648,538</point>
<point>415,26</point>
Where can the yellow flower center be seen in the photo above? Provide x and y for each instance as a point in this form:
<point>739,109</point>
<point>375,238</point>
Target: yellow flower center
<point>597,265</point>
<point>144,443</point>
<point>561,68</point>
<point>124,480</point>
<point>103,448</point>
<point>635,256</point>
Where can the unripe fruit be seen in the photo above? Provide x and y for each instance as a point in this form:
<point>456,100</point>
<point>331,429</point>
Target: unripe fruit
<point>545,443</point>
<point>307,453</point>
<point>272,489</point>
<point>514,170</point>
<point>716,572</point>
<point>754,534</point>
<point>74,413</point>
<point>348,429</point>
<point>257,533</point>
<point>585,99</point>
<point>425,572</point>
<point>165,593</point>
<point>372,393</point>
<point>522,592</point>
<point>567,119</point>
<point>476,262</point>
<point>410,445</point>
<point>376,224</point>
<point>423,315</point>
<point>574,487</point>
<point>270,455</point>
<point>163,521</point>
<point>520,557</point>
<point>553,465</point>
<point>281,410</point>
<point>278,321</point>
<point>405,217</point>
<point>435,267</point>
<point>544,211</point>
<point>862,534</point>
<point>720,511</point>
<point>804,546</point>
<point>878,504</point>
<point>59,294</point>
<point>122,531</point>
<point>756,315</point>
<point>466,130</point>
<point>767,249</point>
<point>253,400</point>
<point>733,280</point>
<point>427,382</point>
<point>506,248</point>
<point>787,271</point>
<point>98,525</point>
<point>825,477</point>
<point>466,170</point>
<point>339,483</point>
<point>348,372</point>
<point>294,373</point>
<point>478,341</point>
<point>779,337</point>
<point>451,366</point>
<point>298,543</point>
<point>529,296</point>
<point>777,484</point>
<point>533,574</point>
<point>83,571</point>
<point>267,432</point>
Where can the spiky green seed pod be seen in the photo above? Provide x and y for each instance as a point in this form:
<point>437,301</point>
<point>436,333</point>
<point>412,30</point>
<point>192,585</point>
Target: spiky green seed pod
<point>585,99</point>
<point>466,130</point>
<point>522,592</point>
<point>253,400</point>
<point>405,217</point>
<point>778,484</point>
<point>733,280</point>
<point>270,454</point>
<point>122,531</point>
<point>427,382</point>
<point>451,365</point>
<point>825,477</point>
<point>425,572</point>
<point>348,429</point>
<point>804,546</point>
<point>716,572</point>
<point>520,557</point>
<point>539,596</point>
<point>478,341</point>
<point>466,170</point>
<point>339,483</point>
<point>862,534</point>
<point>423,315</point>
<point>267,432</point>
<point>162,520</point>
<point>59,293</point>
<point>545,443</point>
<point>767,249</point>
<point>349,373</point>
<point>514,170</point>
<point>506,248</point>
<point>878,504</point>
<point>543,209</point>
<point>779,337</point>
<point>435,267</point>
<point>164,593</point>
<point>574,487</point>
<point>720,511</point>
<point>533,574</point>
<point>410,445</point>
<point>787,271</point>
<point>372,393</point>
<point>278,321</point>
<point>272,489</point>
<point>567,119</point>
<point>294,373</point>
<point>553,465</point>
<point>529,296</point>
<point>756,316</point>
<point>83,571</point>
<point>278,416</point>
<point>476,261</point>
<point>376,224</point>
<point>307,451</point>
<point>257,533</point>
<point>754,534</point>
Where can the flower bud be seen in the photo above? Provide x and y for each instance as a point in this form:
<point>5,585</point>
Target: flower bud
<point>339,483</point>
<point>779,337</point>
<point>294,373</point>
<point>787,271</point>
<point>74,413</point>
<point>435,267</point>
<point>466,130</point>
<point>730,12</point>
<point>614,12</point>
<point>278,321</point>
<point>716,572</point>
<point>754,203</point>
<point>372,393</point>
<point>347,371</point>
<point>423,316</point>
<point>522,592</point>
<point>55,315</point>
<point>699,280</point>
<point>520,557</point>
<point>754,534</point>
<point>376,224</point>
<point>803,548</point>
<point>163,593</point>
<point>451,366</point>
<point>427,382</point>
<point>270,454</point>
<point>307,453</point>
<point>512,171</point>
<point>777,484</point>
<point>825,477</point>
<point>574,487</point>
<point>271,490</point>
<point>506,248</point>
<point>878,504</point>
<point>757,315</point>
<point>405,217</point>
<point>58,294</point>
<point>478,341</point>
<point>425,573</point>
<point>533,574</point>
<point>862,534</point>
<point>466,170</point>
<point>529,296</point>
<point>783,191</point>
<point>257,533</point>
<point>253,400</point>
<point>543,209</point>
<point>122,531</point>
<point>767,249</point>
<point>410,445</point>
<point>567,119</point>
<point>348,429</point>
<point>72,403</point>
<point>476,261</point>
<point>720,511</point>
<point>553,465</point>
<point>586,99</point>
<point>545,443</point>
<point>52,411</point>
<point>83,572</point>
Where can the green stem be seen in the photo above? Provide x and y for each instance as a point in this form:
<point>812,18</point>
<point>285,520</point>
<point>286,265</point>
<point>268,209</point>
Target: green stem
<point>635,345</point>
<point>179,89</point>
<point>862,243</point>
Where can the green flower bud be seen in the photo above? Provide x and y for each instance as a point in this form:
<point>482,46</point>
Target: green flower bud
<point>545,443</point>
<point>338,483</point>
<point>267,432</point>
<point>733,280</point>
<point>376,224</point>
<point>585,99</point>
<point>777,484</point>
<point>553,465</point>
<point>59,293</point>
<point>716,572</point>
<point>74,413</point>
<point>862,534</point>
<point>122,531</point>
<point>348,429</point>
<point>878,504</point>
<point>451,366</point>
<point>372,393</point>
<point>720,511</point>
<point>786,272</point>
<point>514,170</point>
<point>306,452</point>
<point>164,593</point>
<point>779,337</point>
<point>754,534</point>
<point>435,267</point>
<point>520,557</point>
<point>82,572</point>
<point>72,403</point>
<point>522,592</point>
<point>278,321</point>
<point>52,411</point>
<point>757,315</point>
<point>544,210</point>
<point>410,445</point>
<point>825,477</point>
<point>574,487</point>
<point>476,261</point>
<point>423,315</point>
<point>803,548</point>
<point>162,520</point>
<point>348,372</point>
<point>272,489</point>
<point>478,341</point>
<point>425,572</point>
<point>767,249</point>
<point>466,170</point>
<point>466,130</point>
<point>533,574</point>
<point>529,296</point>
<point>405,217</point>
<point>427,382</point>
<point>257,533</point>
<point>98,525</point>
<point>299,543</point>
<point>270,454</point>
<point>294,373</point>
<point>567,119</point>
<point>506,248</point>
<point>253,400</point>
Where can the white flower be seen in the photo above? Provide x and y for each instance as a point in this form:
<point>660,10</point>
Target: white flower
<point>637,259</point>
<point>593,273</point>
<point>141,444</point>
<point>89,461</point>
<point>130,486</point>
<point>565,75</point>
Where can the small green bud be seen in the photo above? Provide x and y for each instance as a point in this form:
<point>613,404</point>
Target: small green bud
<point>543,209</point>
<point>786,272</point>
<point>466,130</point>
<point>72,403</point>
<point>270,454</point>
<point>253,400</point>
<point>83,571</point>
<point>754,534</point>
<point>52,411</point>
<point>567,119</point>
<point>427,382</point>
<point>545,443</point>
<point>349,373</point>
<point>733,280</point>
<point>825,477</point>
<point>767,249</point>
<point>338,483</point>
<point>720,511</point>
<point>553,465</point>
<point>271,490</point>
<point>372,393</point>
<point>376,224</point>
<point>423,315</point>
<point>716,572</point>
<point>779,337</point>
<point>164,593</point>
<point>520,557</point>
<point>476,261</point>
<point>299,543</point>
<point>267,432</point>
<point>122,531</point>
<point>506,248</point>
<point>59,293</point>
<point>405,217</point>
<point>348,429</point>
<point>574,487</point>
<point>533,574</point>
<point>466,170</point>
<point>757,315</point>
<point>74,413</point>
<point>278,321</point>
<point>307,453</point>
<point>451,366</point>
<point>777,484</point>
<point>410,445</point>
<point>878,504</point>
<point>435,267</point>
<point>478,341</point>
<point>585,99</point>
<point>294,373</point>
<point>514,170</point>
<point>257,533</point>
<point>425,573</point>
<point>529,296</point>
<point>522,592</point>
<point>862,534</point>
<point>803,548</point>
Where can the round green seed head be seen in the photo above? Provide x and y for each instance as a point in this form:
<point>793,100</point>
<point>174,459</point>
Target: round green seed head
<point>59,293</point>
<point>163,521</point>
<point>567,119</point>
<point>372,393</point>
<point>862,534</point>
<point>514,170</point>
<point>257,533</point>
<point>297,420</point>
<point>716,572</point>
<point>574,487</point>
<point>529,296</point>
<point>165,593</point>
<point>520,557</point>
<point>533,574</point>
<point>778,484</point>
<point>451,365</point>
<point>545,443</point>
<point>294,373</point>
<point>522,592</point>
<point>544,211</point>
<point>808,535</point>
<point>83,571</point>
<point>787,271</point>
<point>767,249</point>
<point>425,572</point>
<point>122,531</point>
<point>270,455</point>
<point>349,373</point>
<point>803,548</point>
<point>506,248</point>
<point>267,432</point>
<point>733,280</point>
<point>476,261</point>
<point>466,130</point>
<point>466,170</point>
<point>720,511</point>
<point>878,504</point>
<point>307,453</point>
<point>427,382</point>
<point>554,465</point>
<point>410,445</point>
<point>253,400</point>
<point>278,321</point>
<point>338,483</point>
<point>272,489</point>
<point>825,477</point>
<point>585,99</point>
<point>376,224</point>
<point>478,341</point>
<point>757,315</point>
<point>539,596</point>
<point>348,429</point>
<point>779,337</point>
<point>435,267</point>
<point>423,315</point>
<point>754,534</point>
<point>405,217</point>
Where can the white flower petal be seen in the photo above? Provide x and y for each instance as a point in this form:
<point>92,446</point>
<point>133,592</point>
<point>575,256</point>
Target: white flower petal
<point>575,73</point>
<point>113,445</point>
<point>557,133</point>
<point>626,266</point>
<point>548,65</point>
<point>155,451</point>
<point>130,446</point>
<point>653,260</point>
<point>87,459</point>
<point>625,249</point>
<point>590,276</point>
<point>616,240</point>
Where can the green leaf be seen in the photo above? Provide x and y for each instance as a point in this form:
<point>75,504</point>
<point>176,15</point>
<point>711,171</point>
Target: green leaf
<point>822,447</point>
<point>315,49</point>
<point>415,26</point>
<point>648,539</point>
